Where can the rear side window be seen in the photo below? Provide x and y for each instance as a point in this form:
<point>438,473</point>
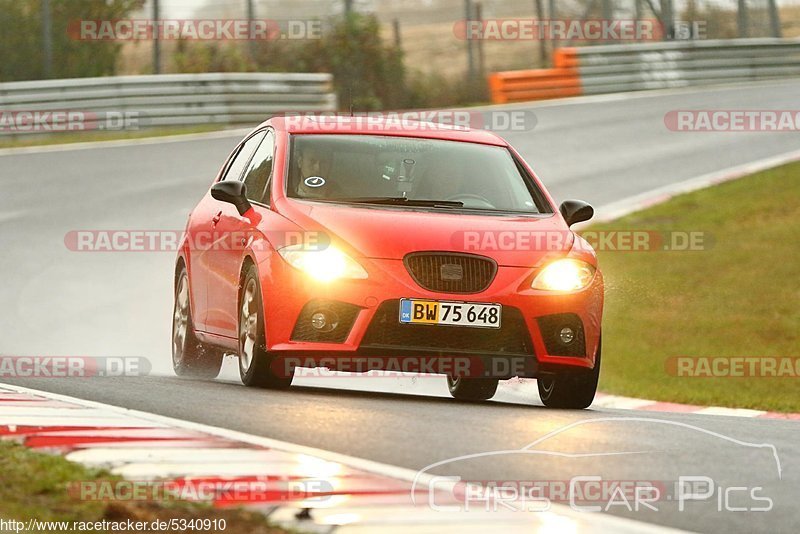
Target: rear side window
<point>258,173</point>
<point>242,157</point>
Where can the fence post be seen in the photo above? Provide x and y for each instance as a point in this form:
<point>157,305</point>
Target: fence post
<point>774,18</point>
<point>668,20</point>
<point>481,57</point>
<point>251,16</point>
<point>553,14</point>
<point>156,43</point>
<point>47,38</point>
<point>470,55</point>
<point>542,42</point>
<point>741,18</point>
<point>398,39</point>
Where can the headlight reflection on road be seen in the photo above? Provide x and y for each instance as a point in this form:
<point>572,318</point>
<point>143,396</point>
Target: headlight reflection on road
<point>317,468</point>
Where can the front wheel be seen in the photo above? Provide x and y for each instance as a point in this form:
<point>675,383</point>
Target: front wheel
<point>575,391</point>
<point>190,357</point>
<point>255,363</point>
<point>472,389</point>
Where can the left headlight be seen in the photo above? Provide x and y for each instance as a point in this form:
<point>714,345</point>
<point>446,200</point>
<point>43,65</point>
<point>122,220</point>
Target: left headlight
<point>324,265</point>
<point>564,275</point>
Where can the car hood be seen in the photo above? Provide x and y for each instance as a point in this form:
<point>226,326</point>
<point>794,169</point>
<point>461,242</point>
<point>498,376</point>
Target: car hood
<point>391,233</point>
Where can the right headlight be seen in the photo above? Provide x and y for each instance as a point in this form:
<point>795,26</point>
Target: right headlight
<point>324,265</point>
<point>564,275</point>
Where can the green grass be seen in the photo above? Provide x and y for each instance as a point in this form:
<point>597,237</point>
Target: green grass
<point>740,297</point>
<point>59,138</point>
<point>35,486</point>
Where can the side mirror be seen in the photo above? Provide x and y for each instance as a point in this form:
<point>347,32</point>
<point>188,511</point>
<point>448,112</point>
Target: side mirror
<point>234,192</point>
<point>575,211</point>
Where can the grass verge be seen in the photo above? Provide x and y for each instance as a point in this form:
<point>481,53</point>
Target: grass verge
<point>35,486</point>
<point>736,298</point>
<point>60,138</point>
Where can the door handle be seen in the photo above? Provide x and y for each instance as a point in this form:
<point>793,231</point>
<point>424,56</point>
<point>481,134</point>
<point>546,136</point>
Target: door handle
<point>216,218</point>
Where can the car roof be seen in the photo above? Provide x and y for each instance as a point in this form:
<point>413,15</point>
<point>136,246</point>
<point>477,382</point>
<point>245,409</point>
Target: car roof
<point>373,125</point>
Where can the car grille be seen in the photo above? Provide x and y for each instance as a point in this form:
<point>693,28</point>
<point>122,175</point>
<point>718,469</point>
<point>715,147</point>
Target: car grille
<point>451,273</point>
<point>385,330</point>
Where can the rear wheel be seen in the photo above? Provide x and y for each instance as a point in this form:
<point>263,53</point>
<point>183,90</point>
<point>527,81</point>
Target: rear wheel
<point>190,357</point>
<point>255,362</point>
<point>570,391</point>
<point>472,389</point>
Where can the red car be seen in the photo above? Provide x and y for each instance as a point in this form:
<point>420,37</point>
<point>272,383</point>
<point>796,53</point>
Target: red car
<point>358,244</point>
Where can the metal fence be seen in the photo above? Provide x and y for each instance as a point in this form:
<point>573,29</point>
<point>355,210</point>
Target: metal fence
<point>635,67</point>
<point>173,99</point>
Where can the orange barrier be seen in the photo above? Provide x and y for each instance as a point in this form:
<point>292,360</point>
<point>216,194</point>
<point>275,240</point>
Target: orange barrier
<point>538,84</point>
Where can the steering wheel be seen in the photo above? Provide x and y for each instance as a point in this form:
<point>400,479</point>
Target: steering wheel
<point>477,201</point>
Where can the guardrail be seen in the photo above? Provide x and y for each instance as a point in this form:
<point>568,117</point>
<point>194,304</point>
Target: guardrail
<point>634,67</point>
<point>172,99</point>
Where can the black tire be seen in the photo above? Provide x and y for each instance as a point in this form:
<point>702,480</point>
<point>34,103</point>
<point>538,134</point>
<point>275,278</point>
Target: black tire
<point>190,357</point>
<point>575,391</point>
<point>472,389</point>
<point>255,362</point>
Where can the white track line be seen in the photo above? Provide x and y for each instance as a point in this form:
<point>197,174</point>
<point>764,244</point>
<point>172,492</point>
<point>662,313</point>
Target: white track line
<point>735,412</point>
<point>114,143</point>
<point>99,422</point>
<point>620,403</point>
<point>631,204</point>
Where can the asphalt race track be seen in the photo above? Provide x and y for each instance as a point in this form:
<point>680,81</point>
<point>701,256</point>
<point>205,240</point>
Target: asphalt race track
<point>60,302</point>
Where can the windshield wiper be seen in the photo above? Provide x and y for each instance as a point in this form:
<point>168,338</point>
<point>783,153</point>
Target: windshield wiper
<point>402,201</point>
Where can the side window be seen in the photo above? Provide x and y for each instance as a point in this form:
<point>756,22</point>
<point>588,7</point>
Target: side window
<point>242,157</point>
<point>258,173</point>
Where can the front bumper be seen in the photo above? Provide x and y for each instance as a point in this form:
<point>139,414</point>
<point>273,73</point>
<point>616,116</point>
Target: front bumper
<point>371,337</point>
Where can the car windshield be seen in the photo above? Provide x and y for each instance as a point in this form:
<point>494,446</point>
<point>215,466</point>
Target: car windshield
<point>407,171</point>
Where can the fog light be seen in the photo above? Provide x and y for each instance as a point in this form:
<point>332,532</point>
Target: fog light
<point>566,335</point>
<point>324,321</point>
<point>319,321</point>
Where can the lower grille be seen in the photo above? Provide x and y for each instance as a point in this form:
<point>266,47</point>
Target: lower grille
<point>345,317</point>
<point>451,273</point>
<point>385,330</point>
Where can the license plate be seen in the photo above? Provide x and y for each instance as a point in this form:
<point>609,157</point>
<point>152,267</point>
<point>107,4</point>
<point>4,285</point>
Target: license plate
<point>474,314</point>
